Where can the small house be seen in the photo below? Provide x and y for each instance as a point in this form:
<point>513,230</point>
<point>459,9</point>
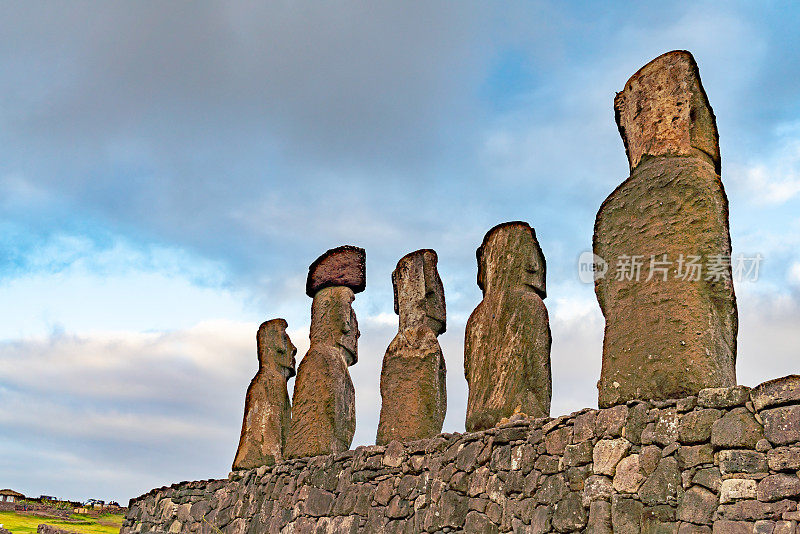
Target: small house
<point>7,495</point>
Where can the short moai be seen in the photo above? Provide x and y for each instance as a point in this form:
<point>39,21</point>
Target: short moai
<point>507,339</point>
<point>266,406</point>
<point>667,296</point>
<point>323,405</point>
<point>413,389</point>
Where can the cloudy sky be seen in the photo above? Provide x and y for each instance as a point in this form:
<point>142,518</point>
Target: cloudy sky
<point>168,171</point>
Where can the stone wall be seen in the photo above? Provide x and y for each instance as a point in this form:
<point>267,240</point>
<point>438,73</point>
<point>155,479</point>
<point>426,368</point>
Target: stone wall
<point>724,461</point>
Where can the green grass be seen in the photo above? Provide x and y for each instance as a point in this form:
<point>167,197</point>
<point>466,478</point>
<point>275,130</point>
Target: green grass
<point>26,524</point>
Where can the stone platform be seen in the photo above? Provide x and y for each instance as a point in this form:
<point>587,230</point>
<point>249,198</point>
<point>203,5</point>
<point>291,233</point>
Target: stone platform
<point>724,461</point>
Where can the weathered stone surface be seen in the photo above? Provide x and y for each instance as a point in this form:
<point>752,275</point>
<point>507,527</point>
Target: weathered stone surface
<point>724,526</point>
<point>341,266</point>
<point>723,397</point>
<point>610,422</point>
<point>784,390</point>
<point>782,425</point>
<point>666,427</point>
<point>736,429</point>
<point>663,484</point>
<point>688,528</point>
<point>665,339</point>
<point>659,520</point>
<point>478,523</point>
<point>626,515</point>
<point>267,410</point>
<point>507,339</point>
<point>698,506</point>
<point>555,442</point>
<point>607,454</point>
<point>784,458</point>
<point>413,385</point>
<point>583,428</point>
<point>709,478</point>
<point>741,461</point>
<point>569,514</point>
<point>695,427</point>
<point>664,111</point>
<point>734,489</point>
<point>600,518</point>
<point>323,407</point>
<point>628,476</point>
<point>596,488</point>
<point>751,510</point>
<point>777,487</point>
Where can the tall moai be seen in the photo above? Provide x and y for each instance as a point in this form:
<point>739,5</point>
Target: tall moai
<point>507,339</point>
<point>667,297</point>
<point>323,405</point>
<point>413,389</point>
<point>266,407</point>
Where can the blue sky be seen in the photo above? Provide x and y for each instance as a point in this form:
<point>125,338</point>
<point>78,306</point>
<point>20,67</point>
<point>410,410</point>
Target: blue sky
<point>169,171</point>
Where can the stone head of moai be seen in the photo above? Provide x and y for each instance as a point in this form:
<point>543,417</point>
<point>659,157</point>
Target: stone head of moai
<point>663,110</point>
<point>418,292</point>
<point>510,257</point>
<point>333,280</point>
<point>333,321</point>
<point>275,350</point>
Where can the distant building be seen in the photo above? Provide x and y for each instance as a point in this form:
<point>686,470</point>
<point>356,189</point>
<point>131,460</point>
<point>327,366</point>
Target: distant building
<point>7,495</point>
<point>95,503</point>
<point>47,498</point>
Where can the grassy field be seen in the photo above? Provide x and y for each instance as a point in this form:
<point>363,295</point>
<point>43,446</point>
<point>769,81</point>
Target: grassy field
<point>26,524</point>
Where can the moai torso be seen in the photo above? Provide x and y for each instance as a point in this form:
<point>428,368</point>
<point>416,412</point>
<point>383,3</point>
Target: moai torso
<point>413,389</point>
<point>323,405</point>
<point>507,339</point>
<point>667,334</point>
<point>266,408</point>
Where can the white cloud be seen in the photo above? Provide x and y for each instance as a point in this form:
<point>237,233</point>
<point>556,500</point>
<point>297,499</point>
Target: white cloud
<point>794,274</point>
<point>776,180</point>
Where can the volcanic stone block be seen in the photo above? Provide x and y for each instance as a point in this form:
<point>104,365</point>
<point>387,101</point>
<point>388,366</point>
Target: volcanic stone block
<point>413,375</point>
<point>323,405</point>
<point>736,429</point>
<point>782,425</point>
<point>341,266</point>
<point>784,390</point>
<point>507,339</point>
<point>671,322</point>
<point>266,406</point>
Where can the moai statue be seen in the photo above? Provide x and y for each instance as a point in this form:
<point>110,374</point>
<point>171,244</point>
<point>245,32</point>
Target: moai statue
<point>323,406</point>
<point>413,375</point>
<point>266,406</point>
<point>507,339</point>
<point>667,295</point>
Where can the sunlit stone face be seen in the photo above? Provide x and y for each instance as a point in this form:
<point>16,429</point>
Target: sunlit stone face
<point>418,291</point>
<point>333,321</point>
<point>510,257</point>
<point>275,348</point>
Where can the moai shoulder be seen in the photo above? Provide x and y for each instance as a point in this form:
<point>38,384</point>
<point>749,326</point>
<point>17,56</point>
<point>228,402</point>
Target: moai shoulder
<point>323,408</point>
<point>266,410</point>
<point>670,329</point>
<point>507,338</point>
<point>413,389</point>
